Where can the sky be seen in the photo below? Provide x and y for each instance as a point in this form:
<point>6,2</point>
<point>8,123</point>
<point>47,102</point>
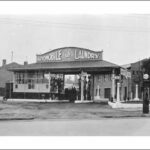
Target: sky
<point>124,38</point>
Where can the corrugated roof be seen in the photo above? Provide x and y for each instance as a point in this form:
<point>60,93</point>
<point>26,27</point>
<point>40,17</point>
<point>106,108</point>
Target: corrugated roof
<point>67,65</point>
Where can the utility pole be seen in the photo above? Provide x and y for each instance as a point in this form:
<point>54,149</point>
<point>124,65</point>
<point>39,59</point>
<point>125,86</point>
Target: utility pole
<point>11,78</point>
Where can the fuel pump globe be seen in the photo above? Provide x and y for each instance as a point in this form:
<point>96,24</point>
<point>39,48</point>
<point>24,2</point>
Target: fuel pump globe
<point>145,76</point>
<point>146,84</point>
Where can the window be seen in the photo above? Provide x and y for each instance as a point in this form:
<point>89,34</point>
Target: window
<point>110,77</point>
<point>31,84</point>
<point>19,78</point>
<point>47,86</point>
<point>105,77</point>
<point>133,72</point>
<point>16,86</point>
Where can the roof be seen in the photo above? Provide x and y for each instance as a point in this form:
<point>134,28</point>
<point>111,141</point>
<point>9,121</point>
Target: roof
<point>71,48</point>
<point>67,65</point>
<point>5,75</point>
<point>126,66</point>
<point>10,65</point>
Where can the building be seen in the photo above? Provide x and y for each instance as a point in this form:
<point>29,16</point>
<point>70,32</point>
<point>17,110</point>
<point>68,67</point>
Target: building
<point>97,78</point>
<point>137,78</point>
<point>6,76</point>
<point>125,82</point>
<point>136,83</point>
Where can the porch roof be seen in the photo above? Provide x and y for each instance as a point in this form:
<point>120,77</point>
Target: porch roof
<point>71,65</point>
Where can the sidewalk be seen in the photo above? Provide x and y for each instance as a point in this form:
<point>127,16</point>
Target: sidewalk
<point>38,100</point>
<point>125,105</point>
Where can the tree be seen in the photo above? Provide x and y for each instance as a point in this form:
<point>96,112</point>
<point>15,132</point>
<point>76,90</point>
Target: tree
<point>146,66</point>
<point>146,70</point>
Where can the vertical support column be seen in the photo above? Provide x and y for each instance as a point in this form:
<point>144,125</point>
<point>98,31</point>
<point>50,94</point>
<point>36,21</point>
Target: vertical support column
<point>136,93</point>
<point>118,92</point>
<point>50,86</point>
<point>13,81</point>
<point>148,93</point>
<point>49,80</point>
<point>97,97</point>
<point>82,85</point>
<point>142,96</point>
<point>131,95</point>
<point>113,85</point>
<point>93,83</point>
<point>128,88</point>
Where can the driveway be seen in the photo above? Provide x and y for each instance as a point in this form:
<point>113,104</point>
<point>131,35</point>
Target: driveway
<point>102,127</point>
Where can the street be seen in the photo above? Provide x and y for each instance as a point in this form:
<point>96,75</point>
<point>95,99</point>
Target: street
<point>101,127</point>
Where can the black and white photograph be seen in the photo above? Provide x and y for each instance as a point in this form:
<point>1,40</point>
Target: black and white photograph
<point>72,72</point>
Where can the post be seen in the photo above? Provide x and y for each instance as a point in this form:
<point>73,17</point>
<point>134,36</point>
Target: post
<point>118,93</point>
<point>136,93</point>
<point>146,84</point>
<point>131,96</point>
<point>10,82</point>
<point>148,94</point>
<point>145,101</point>
<point>142,96</point>
<point>97,97</point>
<point>82,85</point>
<point>50,86</point>
<point>113,86</point>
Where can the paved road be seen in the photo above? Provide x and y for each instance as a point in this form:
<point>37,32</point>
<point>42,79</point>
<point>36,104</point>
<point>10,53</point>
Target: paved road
<point>129,126</point>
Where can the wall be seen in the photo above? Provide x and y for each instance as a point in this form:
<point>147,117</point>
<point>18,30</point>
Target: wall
<point>104,81</point>
<point>136,77</point>
<point>125,83</point>
<point>39,88</point>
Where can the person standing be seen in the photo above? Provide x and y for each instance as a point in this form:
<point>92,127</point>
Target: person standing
<point>85,90</point>
<point>88,88</point>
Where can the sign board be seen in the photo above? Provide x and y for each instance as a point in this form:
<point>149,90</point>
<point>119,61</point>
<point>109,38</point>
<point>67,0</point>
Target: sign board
<point>69,54</point>
<point>117,77</point>
<point>126,73</point>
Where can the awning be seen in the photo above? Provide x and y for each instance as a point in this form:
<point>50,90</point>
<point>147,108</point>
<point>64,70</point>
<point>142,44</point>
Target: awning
<point>94,65</point>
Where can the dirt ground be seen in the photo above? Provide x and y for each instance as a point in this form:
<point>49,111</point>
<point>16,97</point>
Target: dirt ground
<point>30,110</point>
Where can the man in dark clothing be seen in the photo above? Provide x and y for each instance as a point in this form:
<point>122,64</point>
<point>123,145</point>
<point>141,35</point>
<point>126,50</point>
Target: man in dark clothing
<point>85,90</point>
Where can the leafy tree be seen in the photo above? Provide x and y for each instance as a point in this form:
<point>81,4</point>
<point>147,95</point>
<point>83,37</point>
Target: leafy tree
<point>146,66</point>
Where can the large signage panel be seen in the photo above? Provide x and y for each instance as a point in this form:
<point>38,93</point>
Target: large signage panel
<point>126,73</point>
<point>69,54</point>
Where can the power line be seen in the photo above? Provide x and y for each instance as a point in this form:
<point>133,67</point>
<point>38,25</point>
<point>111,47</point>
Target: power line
<point>73,25</point>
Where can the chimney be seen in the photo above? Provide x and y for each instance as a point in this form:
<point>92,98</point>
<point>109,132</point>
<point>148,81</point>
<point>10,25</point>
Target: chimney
<point>25,62</point>
<point>3,62</point>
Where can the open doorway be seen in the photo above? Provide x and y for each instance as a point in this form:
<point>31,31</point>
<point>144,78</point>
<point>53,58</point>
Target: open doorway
<point>68,87</point>
<point>72,87</point>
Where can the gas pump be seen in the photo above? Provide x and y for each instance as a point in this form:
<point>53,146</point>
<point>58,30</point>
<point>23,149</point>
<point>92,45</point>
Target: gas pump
<point>146,85</point>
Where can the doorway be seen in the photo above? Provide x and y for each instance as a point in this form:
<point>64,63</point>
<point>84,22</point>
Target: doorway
<point>72,87</point>
<point>108,93</point>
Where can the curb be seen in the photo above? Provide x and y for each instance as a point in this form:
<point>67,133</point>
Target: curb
<point>9,119</point>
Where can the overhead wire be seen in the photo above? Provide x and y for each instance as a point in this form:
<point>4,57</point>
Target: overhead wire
<point>73,25</point>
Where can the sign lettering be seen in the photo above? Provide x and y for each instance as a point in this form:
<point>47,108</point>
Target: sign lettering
<point>69,54</point>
